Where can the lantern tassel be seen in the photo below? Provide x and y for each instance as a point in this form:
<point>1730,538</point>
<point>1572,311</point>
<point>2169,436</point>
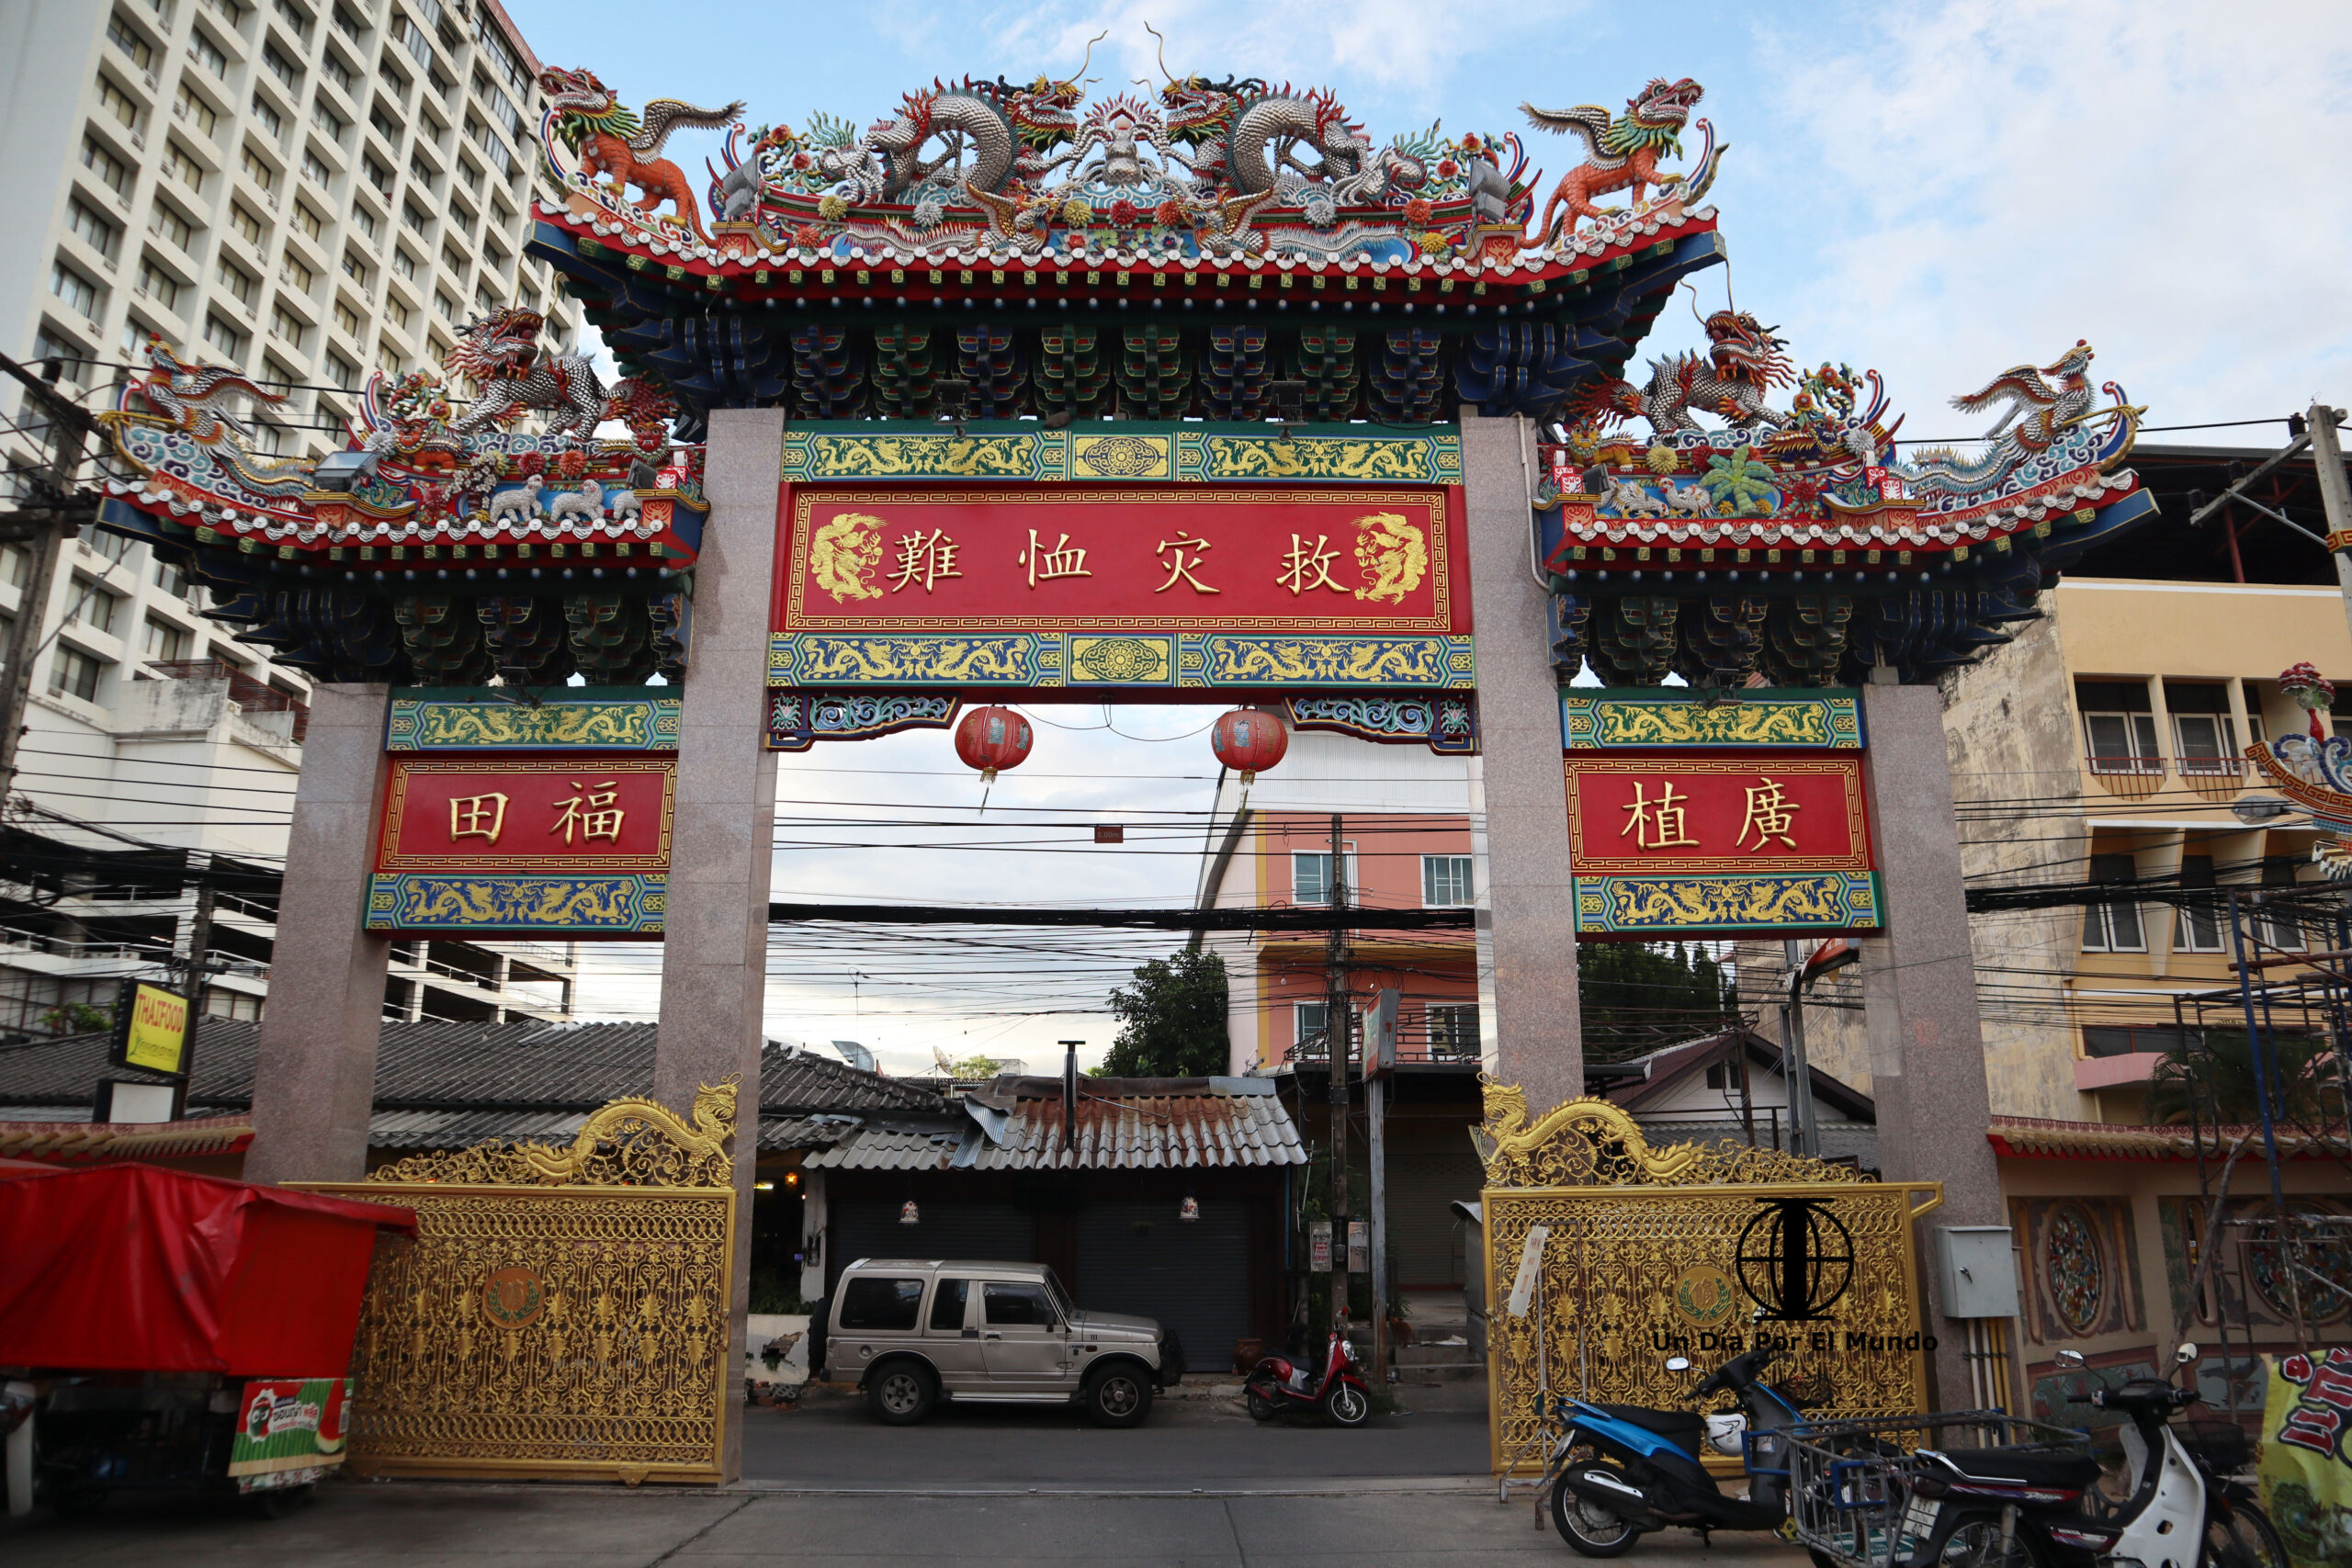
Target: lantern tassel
<point>987,783</point>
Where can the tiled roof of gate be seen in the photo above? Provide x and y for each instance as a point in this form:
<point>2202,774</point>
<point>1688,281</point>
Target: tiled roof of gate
<point>1016,1124</point>
<point>83,1142</point>
<point>2035,1137</point>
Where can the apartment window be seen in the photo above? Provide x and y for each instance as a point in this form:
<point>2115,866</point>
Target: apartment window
<point>448,307</point>
<point>165,221</point>
<point>160,285</point>
<point>350,26</point>
<point>74,673</point>
<point>237,281</point>
<point>92,230</point>
<point>196,111</point>
<point>403,263</point>
<point>1310,1020</point>
<point>496,151</point>
<point>289,329</point>
<point>260,173</point>
<point>411,37</point>
<point>376,176</point>
<point>341,372</point>
<point>501,53</point>
<point>278,378</point>
<point>104,543</point>
<point>128,38</point>
<point>2119,727</point>
<point>69,356</point>
<point>298,276</point>
<point>111,171</point>
<point>1310,878</point>
<point>2196,928</point>
<point>285,69</point>
<point>163,643</point>
<point>364,220</point>
<point>93,606</point>
<point>207,53</point>
<point>339,74</point>
<point>422,173</point>
<point>2127,1039</point>
<point>471,175</point>
<point>225,338</point>
<point>484,299</point>
<point>315,170</point>
<point>2277,924</point>
<point>386,122</point>
<point>387,357</point>
<point>78,292</point>
<point>1454,1031</point>
<point>355,267</point>
<point>347,319</point>
<point>400,313</point>
<point>117,103</point>
<point>437,349</point>
<point>310,223</point>
<point>1445,881</point>
<point>2113,928</point>
<point>135,334</point>
<point>326,119</point>
<point>170,578</point>
<point>270,119</point>
<point>183,168</point>
<point>2204,741</point>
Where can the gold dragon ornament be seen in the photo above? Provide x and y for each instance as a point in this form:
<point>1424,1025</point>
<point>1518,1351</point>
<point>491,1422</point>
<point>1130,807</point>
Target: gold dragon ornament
<point>631,1142</point>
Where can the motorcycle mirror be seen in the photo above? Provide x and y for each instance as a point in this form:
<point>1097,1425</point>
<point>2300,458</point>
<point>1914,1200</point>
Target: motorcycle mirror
<point>2069,1358</point>
<point>2187,1353</point>
<point>1678,1363</point>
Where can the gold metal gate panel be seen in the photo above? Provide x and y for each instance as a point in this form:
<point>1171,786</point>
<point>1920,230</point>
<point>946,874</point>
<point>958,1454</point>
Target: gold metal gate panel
<point>561,1311</point>
<point>1645,1261</point>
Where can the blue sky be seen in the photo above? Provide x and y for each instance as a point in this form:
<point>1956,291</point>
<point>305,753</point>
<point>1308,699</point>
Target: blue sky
<point>1937,191</point>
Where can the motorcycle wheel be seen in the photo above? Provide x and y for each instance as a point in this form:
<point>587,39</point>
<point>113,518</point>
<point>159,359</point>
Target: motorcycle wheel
<point>1347,1405</point>
<point>1260,1407</point>
<point>1977,1544</point>
<point>1592,1529</point>
<point>2245,1540</point>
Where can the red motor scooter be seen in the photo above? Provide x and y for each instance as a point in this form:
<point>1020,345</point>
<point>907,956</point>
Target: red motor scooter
<point>1280,1382</point>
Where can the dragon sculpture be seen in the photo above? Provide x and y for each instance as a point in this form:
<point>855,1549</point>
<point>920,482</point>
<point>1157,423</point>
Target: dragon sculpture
<point>1743,361</point>
<point>612,140</point>
<point>1008,132</point>
<point>1248,140</point>
<point>2021,389</point>
<point>184,393</point>
<point>511,375</point>
<point>1623,149</point>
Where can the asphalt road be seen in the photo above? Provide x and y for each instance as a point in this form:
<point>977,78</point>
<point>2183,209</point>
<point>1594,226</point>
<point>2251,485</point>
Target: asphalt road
<point>830,1443</point>
<point>450,1525</point>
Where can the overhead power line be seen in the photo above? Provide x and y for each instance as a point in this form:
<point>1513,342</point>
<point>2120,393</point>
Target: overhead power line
<point>1240,919</point>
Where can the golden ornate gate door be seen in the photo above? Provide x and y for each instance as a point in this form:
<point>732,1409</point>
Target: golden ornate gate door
<point>561,1311</point>
<point>1656,1252</point>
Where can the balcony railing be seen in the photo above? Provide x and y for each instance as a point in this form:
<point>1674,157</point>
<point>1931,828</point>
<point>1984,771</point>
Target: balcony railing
<point>2216,778</point>
<point>1419,1042</point>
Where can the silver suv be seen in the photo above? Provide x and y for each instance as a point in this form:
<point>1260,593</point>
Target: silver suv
<point>912,1331</point>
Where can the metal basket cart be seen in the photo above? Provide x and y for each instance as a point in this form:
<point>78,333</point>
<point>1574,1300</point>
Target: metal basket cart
<point>1850,1482</point>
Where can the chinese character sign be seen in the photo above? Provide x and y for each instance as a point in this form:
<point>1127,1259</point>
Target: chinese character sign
<point>1688,843</point>
<point>574,813</point>
<point>1060,557</point>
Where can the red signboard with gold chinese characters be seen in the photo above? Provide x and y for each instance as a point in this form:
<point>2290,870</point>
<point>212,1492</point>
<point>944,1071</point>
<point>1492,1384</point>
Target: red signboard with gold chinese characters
<point>1034,586</point>
<point>566,843</point>
<point>1691,843</point>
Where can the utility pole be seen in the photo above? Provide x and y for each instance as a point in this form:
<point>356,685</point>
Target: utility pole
<point>2335,494</point>
<point>199,973</point>
<point>1335,1034</point>
<point>56,512</point>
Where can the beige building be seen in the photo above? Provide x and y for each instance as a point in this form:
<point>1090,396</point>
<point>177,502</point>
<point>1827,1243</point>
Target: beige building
<point>308,190</point>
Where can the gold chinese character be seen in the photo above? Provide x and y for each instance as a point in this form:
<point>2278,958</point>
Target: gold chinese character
<point>1059,562</point>
<point>1656,824</point>
<point>1182,568</point>
<point>925,559</point>
<point>1307,566</point>
<point>478,817</point>
<point>1770,814</point>
<point>601,820</point>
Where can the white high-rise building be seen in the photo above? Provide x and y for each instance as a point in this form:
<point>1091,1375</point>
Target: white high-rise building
<point>308,190</point>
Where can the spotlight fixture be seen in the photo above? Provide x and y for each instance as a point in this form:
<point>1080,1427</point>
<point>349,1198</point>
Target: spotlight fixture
<point>1289,399</point>
<point>951,402</point>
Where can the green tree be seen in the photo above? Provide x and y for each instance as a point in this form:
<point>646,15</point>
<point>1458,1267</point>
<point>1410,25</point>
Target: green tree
<point>2212,1077</point>
<point>1172,1020</point>
<point>1636,997</point>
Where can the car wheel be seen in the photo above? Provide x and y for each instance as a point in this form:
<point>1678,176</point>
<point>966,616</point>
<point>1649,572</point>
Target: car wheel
<point>1347,1405</point>
<point>1593,1529</point>
<point>1260,1407</point>
<point>901,1394</point>
<point>1119,1397</point>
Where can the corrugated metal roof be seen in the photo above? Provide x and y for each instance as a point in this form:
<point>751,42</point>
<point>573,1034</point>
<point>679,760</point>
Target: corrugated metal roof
<point>1122,1124</point>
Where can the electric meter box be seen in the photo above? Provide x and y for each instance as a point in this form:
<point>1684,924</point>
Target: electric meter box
<point>1977,1271</point>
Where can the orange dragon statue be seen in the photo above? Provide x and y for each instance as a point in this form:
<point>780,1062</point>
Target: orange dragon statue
<point>614,142</point>
<point>1625,149</point>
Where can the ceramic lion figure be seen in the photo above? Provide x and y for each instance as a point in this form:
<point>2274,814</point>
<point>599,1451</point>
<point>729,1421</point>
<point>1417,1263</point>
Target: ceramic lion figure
<point>842,551</point>
<point>1394,553</point>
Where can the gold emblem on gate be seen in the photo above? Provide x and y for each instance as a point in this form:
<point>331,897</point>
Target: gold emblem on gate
<point>514,1298</point>
<point>1704,1296</point>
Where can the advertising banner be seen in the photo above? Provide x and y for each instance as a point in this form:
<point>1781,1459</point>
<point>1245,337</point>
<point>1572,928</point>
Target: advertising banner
<point>151,1030</point>
<point>2306,1463</point>
<point>290,1432</point>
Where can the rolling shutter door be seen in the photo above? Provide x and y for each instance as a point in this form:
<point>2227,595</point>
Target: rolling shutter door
<point>1193,1278</point>
<point>1423,1183</point>
<point>870,1227</point>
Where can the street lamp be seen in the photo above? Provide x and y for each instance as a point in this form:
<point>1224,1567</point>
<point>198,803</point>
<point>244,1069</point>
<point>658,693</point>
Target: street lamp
<point>2258,810</point>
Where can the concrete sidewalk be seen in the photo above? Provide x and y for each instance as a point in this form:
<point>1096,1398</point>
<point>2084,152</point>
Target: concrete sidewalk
<point>425,1525</point>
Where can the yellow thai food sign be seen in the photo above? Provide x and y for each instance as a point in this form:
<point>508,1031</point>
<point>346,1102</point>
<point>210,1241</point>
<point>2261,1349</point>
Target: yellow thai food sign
<point>151,1030</point>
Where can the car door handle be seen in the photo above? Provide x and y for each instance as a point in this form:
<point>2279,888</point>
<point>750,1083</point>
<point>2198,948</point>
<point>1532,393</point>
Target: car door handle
<point>973,1334</point>
<point>992,1336</point>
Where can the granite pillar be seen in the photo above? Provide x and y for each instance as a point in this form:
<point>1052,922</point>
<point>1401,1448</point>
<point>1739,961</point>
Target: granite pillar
<point>714,954</point>
<point>1920,999</point>
<point>1530,1030</point>
<point>314,1081</point>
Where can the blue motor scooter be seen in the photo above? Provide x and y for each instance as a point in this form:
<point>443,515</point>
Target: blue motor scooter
<point>1643,1471</point>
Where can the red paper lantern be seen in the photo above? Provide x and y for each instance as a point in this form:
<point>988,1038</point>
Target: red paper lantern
<point>1249,740</point>
<point>992,738</point>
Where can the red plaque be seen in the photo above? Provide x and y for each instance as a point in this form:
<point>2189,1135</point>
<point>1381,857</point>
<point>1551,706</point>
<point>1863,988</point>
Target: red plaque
<point>916,558</point>
<point>1688,815</point>
<point>578,813</point>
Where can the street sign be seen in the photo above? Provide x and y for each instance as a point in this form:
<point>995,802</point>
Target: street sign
<point>151,1030</point>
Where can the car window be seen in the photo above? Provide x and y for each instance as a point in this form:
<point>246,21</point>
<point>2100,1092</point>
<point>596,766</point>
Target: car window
<point>947,1299</point>
<point>881,1303</point>
<point>1023,1301</point>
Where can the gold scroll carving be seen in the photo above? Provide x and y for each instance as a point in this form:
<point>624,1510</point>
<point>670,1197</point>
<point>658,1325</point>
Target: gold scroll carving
<point>564,1309</point>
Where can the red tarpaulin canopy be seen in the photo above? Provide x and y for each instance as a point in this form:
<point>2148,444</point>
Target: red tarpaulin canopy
<point>133,1267</point>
